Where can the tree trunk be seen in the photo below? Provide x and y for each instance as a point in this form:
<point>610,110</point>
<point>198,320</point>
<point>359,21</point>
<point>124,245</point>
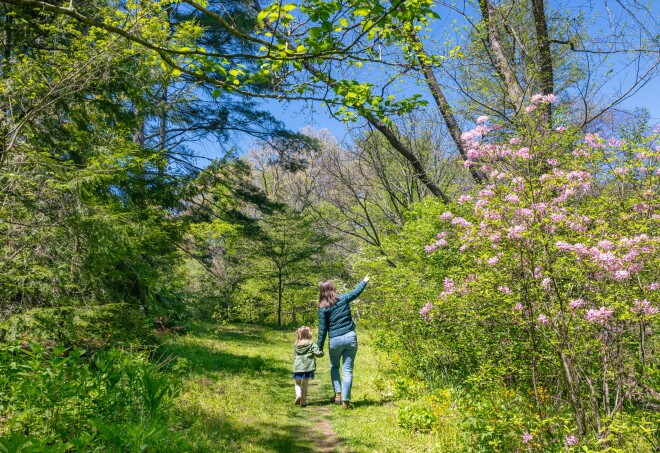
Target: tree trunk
<point>280,290</point>
<point>138,137</point>
<point>545,58</point>
<point>505,70</point>
<point>443,105</point>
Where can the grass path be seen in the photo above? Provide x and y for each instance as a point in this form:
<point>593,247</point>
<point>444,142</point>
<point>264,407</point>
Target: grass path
<point>237,395</point>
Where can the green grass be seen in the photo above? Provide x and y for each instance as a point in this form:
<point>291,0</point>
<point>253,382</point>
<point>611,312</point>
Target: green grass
<point>237,395</point>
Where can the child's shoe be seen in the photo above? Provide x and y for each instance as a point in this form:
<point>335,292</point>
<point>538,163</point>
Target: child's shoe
<point>346,405</point>
<point>303,402</point>
<point>297,401</point>
<point>336,399</point>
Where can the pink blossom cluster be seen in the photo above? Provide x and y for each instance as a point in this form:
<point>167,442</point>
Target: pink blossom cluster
<point>644,307</point>
<point>571,440</point>
<point>460,221</point>
<point>527,437</point>
<point>601,315</point>
<point>441,242</point>
<point>632,255</point>
<point>574,304</point>
<point>542,320</point>
<point>516,231</point>
<point>425,312</point>
<point>541,99</point>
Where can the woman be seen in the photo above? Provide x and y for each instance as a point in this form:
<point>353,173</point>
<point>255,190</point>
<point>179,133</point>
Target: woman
<point>335,320</point>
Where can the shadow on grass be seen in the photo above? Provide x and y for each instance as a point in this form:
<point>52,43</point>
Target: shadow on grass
<point>245,334</point>
<point>225,435</point>
<point>204,359</point>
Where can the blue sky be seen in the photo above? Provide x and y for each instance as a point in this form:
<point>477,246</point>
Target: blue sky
<point>601,16</point>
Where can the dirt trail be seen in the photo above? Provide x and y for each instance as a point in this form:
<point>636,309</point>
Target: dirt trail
<point>327,440</point>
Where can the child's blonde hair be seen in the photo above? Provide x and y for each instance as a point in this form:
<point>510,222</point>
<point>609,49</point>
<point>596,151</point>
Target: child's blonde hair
<point>303,333</point>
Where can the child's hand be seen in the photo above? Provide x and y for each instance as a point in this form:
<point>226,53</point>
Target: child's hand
<point>366,278</point>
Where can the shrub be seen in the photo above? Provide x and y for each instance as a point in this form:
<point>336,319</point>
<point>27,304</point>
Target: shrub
<point>91,328</point>
<point>59,400</point>
<point>557,284</point>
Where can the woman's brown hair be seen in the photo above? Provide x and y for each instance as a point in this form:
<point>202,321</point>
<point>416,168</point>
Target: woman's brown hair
<point>327,294</point>
<point>303,333</point>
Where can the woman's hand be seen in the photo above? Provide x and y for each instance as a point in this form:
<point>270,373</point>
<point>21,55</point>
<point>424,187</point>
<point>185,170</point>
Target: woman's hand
<point>366,278</point>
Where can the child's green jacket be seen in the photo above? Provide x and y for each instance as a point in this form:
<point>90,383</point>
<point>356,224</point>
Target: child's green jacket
<point>303,357</point>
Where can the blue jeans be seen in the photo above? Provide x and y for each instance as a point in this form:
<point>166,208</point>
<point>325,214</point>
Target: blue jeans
<point>343,349</point>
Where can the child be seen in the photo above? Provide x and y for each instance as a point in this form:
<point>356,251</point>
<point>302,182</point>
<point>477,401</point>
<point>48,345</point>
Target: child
<point>304,363</point>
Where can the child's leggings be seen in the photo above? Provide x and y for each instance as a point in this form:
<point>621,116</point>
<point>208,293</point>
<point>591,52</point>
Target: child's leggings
<point>301,389</point>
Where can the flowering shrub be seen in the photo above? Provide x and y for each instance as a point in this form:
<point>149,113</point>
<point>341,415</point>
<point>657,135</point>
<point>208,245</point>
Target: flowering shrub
<point>558,282</point>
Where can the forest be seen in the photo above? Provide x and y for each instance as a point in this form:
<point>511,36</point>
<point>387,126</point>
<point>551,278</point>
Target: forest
<point>165,223</point>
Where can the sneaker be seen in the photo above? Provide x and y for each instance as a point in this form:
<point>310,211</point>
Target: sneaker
<point>297,401</point>
<point>346,405</point>
<point>336,399</point>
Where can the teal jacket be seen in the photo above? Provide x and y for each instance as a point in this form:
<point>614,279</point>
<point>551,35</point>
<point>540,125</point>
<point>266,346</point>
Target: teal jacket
<point>304,357</point>
<point>337,320</point>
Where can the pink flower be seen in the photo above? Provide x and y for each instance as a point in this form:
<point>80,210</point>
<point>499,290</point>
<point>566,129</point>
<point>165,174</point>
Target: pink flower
<point>640,207</point>
<point>530,108</point>
<point>464,198</point>
<point>430,248</point>
<point>487,192</point>
<point>446,215</point>
<point>516,231</point>
<point>512,198</point>
<point>441,235</point>
<point>524,213</point>
<point>571,440</point>
<point>621,171</point>
<point>552,162</point>
<point>546,283</point>
<point>615,142</point>
<point>563,246</point>
<point>440,243</point>
<point>493,261</point>
<point>504,289</point>
<point>621,275</point>
<point>515,141</point>
<point>518,307</point>
<point>527,437</point>
<point>601,315</point>
<point>576,303</point>
<point>549,98</point>
<point>644,307</point>
<point>523,153</point>
<point>654,286</point>
<point>467,163</point>
<point>424,312</point>
<point>482,119</point>
<point>461,222</point>
<point>542,319</point>
<point>561,129</point>
<point>449,284</point>
<point>537,272</point>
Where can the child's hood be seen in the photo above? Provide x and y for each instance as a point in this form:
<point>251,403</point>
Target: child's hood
<point>304,347</point>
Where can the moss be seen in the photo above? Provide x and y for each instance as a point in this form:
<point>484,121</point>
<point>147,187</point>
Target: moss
<point>91,328</point>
